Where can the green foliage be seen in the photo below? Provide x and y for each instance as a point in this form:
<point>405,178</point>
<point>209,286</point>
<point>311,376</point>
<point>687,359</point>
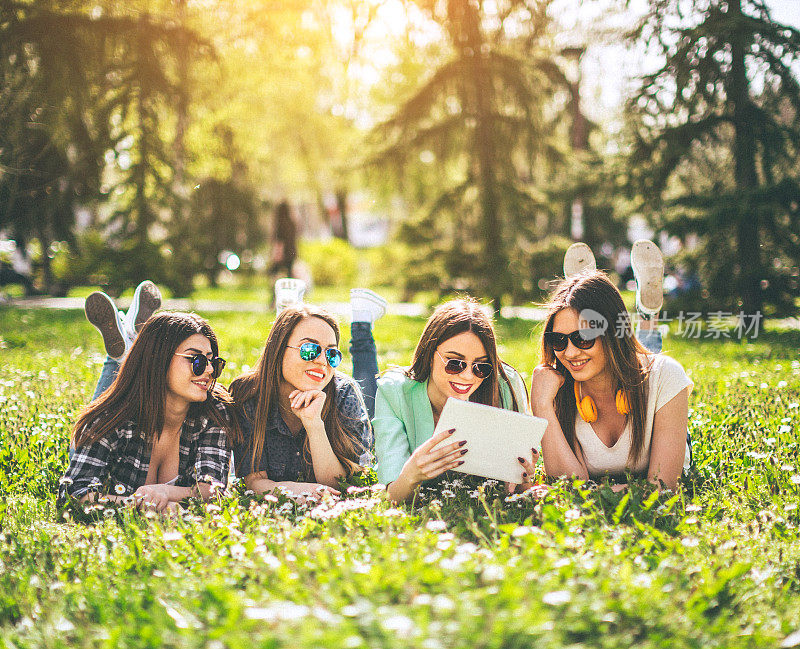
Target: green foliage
<point>716,154</point>
<point>93,261</point>
<point>479,120</point>
<point>332,262</point>
<point>716,563</point>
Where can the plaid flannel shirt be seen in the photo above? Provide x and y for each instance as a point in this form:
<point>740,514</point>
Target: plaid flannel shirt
<point>282,457</point>
<point>118,463</point>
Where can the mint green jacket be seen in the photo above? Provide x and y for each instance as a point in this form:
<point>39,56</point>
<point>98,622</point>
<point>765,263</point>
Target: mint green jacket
<point>404,417</point>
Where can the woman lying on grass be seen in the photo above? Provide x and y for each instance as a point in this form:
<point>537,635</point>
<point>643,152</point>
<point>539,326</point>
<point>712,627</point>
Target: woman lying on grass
<point>304,424</point>
<point>455,357</point>
<point>613,407</point>
<point>160,432</point>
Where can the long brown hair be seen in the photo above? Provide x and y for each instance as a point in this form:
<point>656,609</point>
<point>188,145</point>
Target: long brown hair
<point>139,392</point>
<point>451,319</point>
<point>593,290</point>
<point>263,381</point>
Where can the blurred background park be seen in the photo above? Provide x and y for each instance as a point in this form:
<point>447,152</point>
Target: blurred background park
<point>419,147</point>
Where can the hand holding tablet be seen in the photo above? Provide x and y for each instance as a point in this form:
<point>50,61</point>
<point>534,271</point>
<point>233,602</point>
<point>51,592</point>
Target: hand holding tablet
<point>495,438</point>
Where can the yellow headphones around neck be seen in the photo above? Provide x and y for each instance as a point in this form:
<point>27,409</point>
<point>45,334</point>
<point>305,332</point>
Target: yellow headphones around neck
<point>588,410</point>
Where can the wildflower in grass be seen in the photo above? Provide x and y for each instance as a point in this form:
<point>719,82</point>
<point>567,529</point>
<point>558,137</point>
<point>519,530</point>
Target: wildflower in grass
<point>119,489</point>
<point>493,572</point>
<point>65,480</point>
<point>280,611</point>
<point>782,384</point>
<point>557,597</point>
<point>436,526</point>
<point>400,624</point>
<point>795,479</point>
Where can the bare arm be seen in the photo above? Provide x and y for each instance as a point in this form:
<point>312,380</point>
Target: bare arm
<point>327,468</point>
<point>668,444</point>
<point>425,463</point>
<point>308,407</point>
<point>260,483</point>
<point>559,458</point>
<point>160,497</point>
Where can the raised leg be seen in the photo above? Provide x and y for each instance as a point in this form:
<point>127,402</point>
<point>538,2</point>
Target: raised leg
<point>367,307</point>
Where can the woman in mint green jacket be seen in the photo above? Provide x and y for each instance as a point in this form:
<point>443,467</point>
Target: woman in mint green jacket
<point>455,357</point>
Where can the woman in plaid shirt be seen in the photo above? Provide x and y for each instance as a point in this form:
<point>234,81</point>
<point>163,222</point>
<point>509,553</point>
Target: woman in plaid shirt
<point>161,432</point>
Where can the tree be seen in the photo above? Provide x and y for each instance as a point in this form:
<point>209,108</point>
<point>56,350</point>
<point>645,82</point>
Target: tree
<point>78,86</point>
<point>726,84</point>
<point>480,116</point>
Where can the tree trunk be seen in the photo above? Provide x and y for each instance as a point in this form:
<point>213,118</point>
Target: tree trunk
<point>341,204</point>
<point>471,45</point>
<point>744,153</point>
<point>181,107</point>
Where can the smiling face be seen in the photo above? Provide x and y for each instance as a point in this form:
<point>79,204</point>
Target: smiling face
<point>308,375</point>
<point>181,381</point>
<point>466,347</point>
<point>583,364</point>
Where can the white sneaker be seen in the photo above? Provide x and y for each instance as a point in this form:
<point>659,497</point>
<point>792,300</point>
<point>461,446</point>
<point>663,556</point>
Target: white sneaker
<point>366,305</point>
<point>288,291</point>
<point>648,270</point>
<point>146,301</point>
<point>579,257</point>
<point>103,314</point>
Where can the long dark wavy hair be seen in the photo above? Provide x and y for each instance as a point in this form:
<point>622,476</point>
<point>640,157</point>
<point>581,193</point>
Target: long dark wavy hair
<point>593,290</point>
<point>454,318</point>
<point>139,392</point>
<point>263,381</point>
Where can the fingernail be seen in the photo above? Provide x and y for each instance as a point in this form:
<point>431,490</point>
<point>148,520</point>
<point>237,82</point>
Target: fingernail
<point>460,463</point>
<point>524,474</point>
<point>451,431</point>
<point>521,461</point>
<point>462,442</point>
<point>464,451</point>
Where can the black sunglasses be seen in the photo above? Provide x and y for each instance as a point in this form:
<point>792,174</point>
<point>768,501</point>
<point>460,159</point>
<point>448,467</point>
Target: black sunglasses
<point>310,351</point>
<point>201,361</point>
<point>456,366</point>
<point>581,338</point>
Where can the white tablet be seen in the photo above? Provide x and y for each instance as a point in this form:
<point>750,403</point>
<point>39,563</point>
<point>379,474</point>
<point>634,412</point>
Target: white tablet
<point>495,438</point>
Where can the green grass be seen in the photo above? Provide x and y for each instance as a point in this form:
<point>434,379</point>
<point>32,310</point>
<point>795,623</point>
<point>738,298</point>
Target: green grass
<point>716,564</point>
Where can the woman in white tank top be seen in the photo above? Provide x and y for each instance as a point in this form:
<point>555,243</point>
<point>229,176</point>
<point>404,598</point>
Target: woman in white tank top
<point>613,407</point>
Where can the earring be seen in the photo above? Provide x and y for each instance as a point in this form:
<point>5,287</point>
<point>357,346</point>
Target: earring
<point>588,410</point>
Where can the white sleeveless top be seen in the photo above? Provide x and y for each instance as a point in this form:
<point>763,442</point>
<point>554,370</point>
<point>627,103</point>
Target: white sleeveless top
<point>667,378</point>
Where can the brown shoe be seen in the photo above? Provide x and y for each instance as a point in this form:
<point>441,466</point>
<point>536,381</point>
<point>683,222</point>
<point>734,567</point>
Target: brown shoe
<point>102,313</point>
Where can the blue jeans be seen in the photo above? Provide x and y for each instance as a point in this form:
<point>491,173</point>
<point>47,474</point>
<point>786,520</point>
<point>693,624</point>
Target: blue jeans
<point>651,338</point>
<point>107,375</point>
<point>365,362</point>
